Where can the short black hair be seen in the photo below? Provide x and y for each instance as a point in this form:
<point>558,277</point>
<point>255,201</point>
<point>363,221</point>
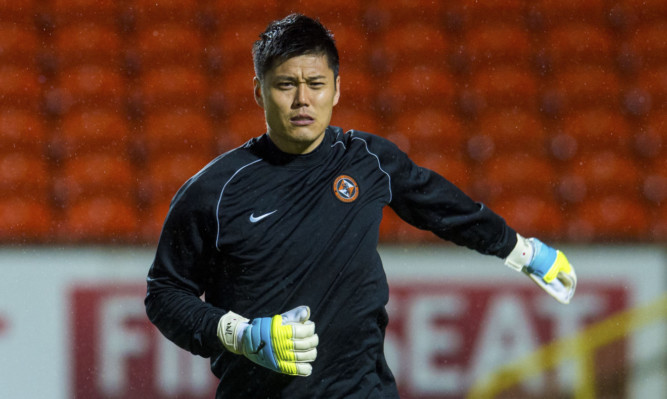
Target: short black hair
<point>292,36</point>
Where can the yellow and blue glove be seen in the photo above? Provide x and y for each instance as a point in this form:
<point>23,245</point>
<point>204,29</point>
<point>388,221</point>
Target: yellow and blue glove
<point>548,267</point>
<point>284,343</point>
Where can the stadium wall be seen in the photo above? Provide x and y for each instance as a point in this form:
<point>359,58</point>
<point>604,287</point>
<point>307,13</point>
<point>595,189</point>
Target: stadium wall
<point>72,325</point>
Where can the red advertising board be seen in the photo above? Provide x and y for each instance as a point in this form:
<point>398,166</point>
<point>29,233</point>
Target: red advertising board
<point>442,337</point>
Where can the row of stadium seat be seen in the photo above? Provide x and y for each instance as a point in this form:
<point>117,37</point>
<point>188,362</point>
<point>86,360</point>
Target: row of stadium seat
<point>556,122</point>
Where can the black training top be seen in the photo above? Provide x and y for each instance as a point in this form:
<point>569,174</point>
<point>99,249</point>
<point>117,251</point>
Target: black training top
<point>259,232</point>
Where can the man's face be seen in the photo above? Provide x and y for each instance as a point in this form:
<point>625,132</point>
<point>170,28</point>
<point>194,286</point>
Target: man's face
<point>298,97</point>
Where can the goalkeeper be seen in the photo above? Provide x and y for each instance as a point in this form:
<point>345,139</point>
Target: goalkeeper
<point>267,263</point>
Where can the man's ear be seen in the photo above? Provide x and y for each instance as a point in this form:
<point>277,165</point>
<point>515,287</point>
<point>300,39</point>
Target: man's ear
<point>337,95</point>
<point>258,91</point>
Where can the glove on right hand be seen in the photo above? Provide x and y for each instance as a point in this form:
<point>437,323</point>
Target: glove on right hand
<point>284,343</point>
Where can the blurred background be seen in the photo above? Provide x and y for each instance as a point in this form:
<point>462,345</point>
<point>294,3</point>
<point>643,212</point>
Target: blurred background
<point>552,112</point>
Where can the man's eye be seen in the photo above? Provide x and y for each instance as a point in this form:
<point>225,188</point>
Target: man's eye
<point>285,85</point>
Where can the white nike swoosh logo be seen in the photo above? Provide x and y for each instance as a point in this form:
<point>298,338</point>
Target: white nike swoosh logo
<point>255,219</point>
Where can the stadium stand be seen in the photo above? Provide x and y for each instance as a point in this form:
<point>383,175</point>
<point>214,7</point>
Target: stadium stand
<point>552,110</point>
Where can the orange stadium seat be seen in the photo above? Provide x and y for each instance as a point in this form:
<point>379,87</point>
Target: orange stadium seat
<point>352,44</point>
<point>579,43</point>
<point>654,82</point>
<point>19,86</point>
<point>602,173</point>
<point>24,174</point>
<point>474,13</point>
<point>649,45</point>
<point>161,45</point>
<point>380,15</point>
<point>238,127</point>
<point>502,86</point>
<point>19,11</point>
<point>19,44</point>
<point>647,10</point>
<point>102,130</point>
<point>431,130</point>
<point>411,44</point>
<point>95,174</point>
<point>512,130</point>
<point>25,220</point>
<point>232,92</point>
<point>609,218</point>
<point>100,219</point>
<point>596,129</point>
<point>224,13</point>
<point>151,11</point>
<point>578,87</point>
<point>350,117</point>
<point>166,173</point>
<point>651,140</point>
<point>232,48</point>
<point>358,87</point>
<point>88,43</point>
<point>330,13</point>
<point>659,224</point>
<point>177,130</point>
<point>172,86</point>
<point>65,12</point>
<point>552,13</point>
<point>532,216</point>
<point>152,219</point>
<point>654,185</point>
<point>413,88</point>
<point>492,45</point>
<point>87,86</point>
<point>21,130</point>
<point>518,173</point>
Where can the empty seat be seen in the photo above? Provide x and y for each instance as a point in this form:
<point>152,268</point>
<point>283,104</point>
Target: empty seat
<point>502,86</point>
<point>358,87</point>
<point>329,12</point>
<point>412,43</point>
<point>351,42</point>
<point>512,130</point>
<point>18,44</point>
<point>414,88</point>
<point>603,173</point>
<point>651,139</point>
<point>100,219</point>
<point>649,45</point>
<point>380,15</point>
<point>172,86</point>
<point>349,117</point>
<point>431,130</point>
<point>25,220</point>
<point>177,130</point>
<point>655,181</point>
<point>532,216</point>
<point>473,13</point>
<point>552,13</point>
<point>647,10</point>
<point>232,92</point>
<point>21,129</point>
<point>491,45</point>
<point>152,220</point>
<point>24,174</point>
<point>88,43</point>
<point>224,13</point>
<point>579,43</point>
<point>166,44</point>
<point>609,218</point>
<point>86,86</point>
<point>65,12</point>
<point>653,81</point>
<point>582,86</point>
<point>165,174</point>
<point>516,174</point>
<point>233,46</point>
<point>593,130</point>
<point>238,127</point>
<point>19,86</point>
<point>658,228</point>
<point>92,130</point>
<point>143,12</point>
<point>95,174</point>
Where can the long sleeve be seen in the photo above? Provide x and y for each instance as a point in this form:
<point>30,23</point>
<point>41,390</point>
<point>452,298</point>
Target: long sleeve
<point>428,201</point>
<point>179,276</point>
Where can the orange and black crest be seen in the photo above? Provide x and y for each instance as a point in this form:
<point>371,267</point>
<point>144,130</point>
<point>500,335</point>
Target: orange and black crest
<point>346,188</point>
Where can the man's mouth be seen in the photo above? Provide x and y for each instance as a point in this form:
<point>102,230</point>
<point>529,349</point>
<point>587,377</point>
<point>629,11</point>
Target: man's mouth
<point>302,120</point>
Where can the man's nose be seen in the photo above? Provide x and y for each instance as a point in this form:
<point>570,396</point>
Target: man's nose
<point>301,98</point>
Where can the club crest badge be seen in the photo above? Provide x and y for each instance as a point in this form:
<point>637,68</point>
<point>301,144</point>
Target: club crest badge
<point>345,188</point>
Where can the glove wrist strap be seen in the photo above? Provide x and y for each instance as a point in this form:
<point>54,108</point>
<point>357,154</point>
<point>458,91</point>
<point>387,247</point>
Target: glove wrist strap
<point>521,255</point>
<point>230,331</point>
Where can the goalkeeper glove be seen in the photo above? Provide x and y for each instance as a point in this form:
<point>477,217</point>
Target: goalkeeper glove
<point>283,343</point>
<point>548,267</point>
